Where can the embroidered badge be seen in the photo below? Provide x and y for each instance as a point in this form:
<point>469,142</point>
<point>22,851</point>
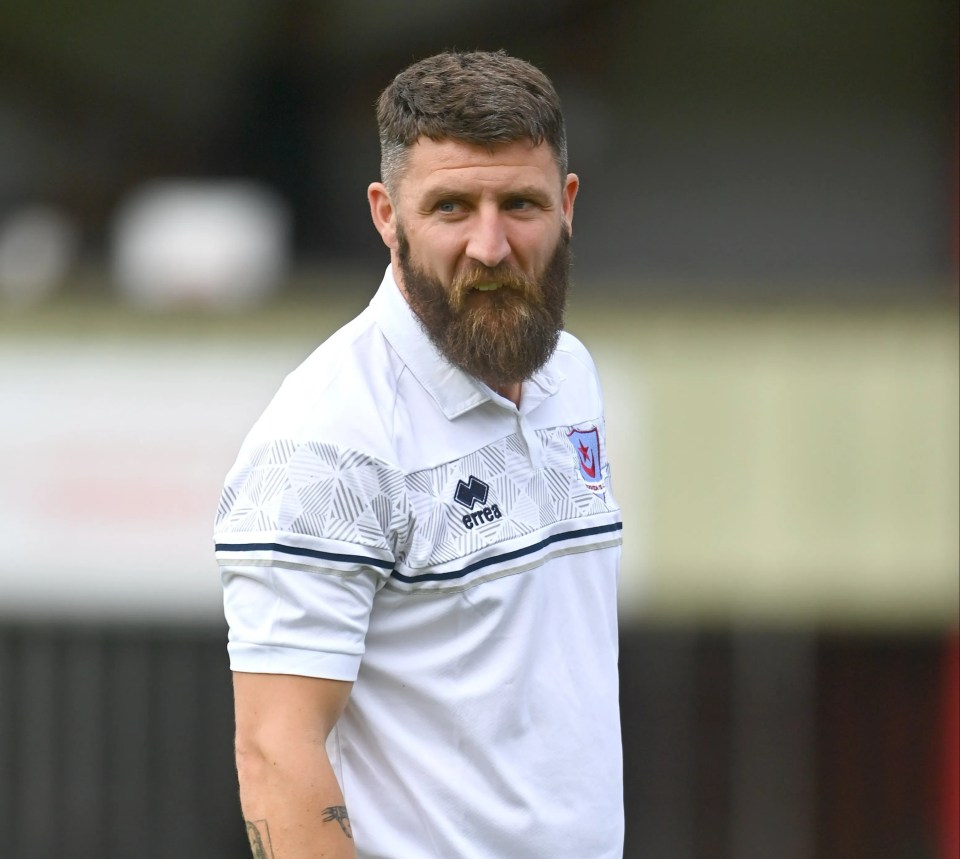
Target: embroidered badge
<point>471,493</point>
<point>586,444</point>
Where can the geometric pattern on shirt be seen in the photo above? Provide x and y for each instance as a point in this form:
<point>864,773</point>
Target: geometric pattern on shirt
<point>315,489</point>
<point>329,492</point>
<point>529,499</point>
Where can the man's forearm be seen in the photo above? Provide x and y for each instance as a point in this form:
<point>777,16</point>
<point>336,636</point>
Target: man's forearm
<point>293,805</point>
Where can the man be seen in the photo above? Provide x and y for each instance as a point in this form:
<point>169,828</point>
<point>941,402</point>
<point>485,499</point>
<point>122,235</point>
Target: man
<point>418,542</point>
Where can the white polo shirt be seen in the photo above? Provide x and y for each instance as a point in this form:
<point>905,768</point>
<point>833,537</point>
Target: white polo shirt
<point>392,521</point>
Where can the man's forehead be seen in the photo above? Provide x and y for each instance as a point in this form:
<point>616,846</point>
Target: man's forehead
<point>432,160</point>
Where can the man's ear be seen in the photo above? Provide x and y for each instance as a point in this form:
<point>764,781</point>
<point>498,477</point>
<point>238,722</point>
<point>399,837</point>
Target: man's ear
<point>383,213</point>
<point>570,187</point>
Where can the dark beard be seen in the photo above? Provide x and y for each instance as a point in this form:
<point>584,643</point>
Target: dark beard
<point>506,336</point>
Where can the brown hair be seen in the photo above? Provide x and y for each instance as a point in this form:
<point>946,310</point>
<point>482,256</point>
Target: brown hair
<point>477,97</point>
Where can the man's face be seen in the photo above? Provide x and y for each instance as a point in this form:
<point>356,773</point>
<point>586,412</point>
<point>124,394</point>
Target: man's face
<point>480,242</point>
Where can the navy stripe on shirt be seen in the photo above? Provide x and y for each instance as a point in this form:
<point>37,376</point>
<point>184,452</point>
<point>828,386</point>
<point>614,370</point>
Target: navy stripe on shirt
<point>509,556</point>
<point>310,553</point>
<point>423,577</point>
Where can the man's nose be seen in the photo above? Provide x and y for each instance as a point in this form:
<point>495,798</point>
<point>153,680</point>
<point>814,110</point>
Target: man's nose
<point>487,243</point>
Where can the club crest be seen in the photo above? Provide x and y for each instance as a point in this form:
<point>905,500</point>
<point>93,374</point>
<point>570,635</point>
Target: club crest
<point>586,444</point>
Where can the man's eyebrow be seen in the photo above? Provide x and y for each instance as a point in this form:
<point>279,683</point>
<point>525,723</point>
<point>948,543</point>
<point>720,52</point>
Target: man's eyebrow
<point>533,192</point>
<point>445,192</point>
<point>442,192</point>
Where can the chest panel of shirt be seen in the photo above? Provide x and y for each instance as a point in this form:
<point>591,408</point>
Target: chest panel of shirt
<point>492,513</point>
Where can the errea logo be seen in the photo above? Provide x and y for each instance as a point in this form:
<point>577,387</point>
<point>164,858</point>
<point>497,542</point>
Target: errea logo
<point>471,493</point>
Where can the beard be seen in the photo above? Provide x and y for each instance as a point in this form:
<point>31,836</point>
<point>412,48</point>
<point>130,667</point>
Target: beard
<point>502,336</point>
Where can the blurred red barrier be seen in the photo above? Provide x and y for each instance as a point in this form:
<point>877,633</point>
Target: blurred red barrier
<point>951,769</point>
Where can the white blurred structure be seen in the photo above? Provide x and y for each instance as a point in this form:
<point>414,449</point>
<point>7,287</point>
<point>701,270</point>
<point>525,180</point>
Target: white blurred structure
<point>222,245</point>
<point>38,246</point>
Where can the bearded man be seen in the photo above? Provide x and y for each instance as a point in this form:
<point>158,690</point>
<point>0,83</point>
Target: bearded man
<point>418,543</point>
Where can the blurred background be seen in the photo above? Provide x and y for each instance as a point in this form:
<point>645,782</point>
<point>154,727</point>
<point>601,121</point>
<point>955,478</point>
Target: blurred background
<point>766,271</point>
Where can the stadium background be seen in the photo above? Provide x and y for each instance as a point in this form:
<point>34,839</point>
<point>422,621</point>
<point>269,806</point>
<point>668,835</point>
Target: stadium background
<point>766,271</point>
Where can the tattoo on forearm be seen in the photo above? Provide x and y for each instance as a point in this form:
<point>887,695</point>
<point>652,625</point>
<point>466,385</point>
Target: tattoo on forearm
<point>339,813</point>
<point>259,834</point>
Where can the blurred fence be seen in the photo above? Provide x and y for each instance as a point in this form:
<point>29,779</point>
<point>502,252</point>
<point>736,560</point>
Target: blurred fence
<point>116,742</point>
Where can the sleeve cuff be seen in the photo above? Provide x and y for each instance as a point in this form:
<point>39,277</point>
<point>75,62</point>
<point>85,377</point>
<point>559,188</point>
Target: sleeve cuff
<point>270,659</point>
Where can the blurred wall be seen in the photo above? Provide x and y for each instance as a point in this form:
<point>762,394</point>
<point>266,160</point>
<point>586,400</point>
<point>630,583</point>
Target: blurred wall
<point>792,465</point>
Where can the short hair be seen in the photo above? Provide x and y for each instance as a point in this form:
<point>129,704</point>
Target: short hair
<point>480,97</point>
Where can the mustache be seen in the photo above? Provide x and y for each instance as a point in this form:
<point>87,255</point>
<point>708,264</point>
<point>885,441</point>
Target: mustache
<point>505,274</point>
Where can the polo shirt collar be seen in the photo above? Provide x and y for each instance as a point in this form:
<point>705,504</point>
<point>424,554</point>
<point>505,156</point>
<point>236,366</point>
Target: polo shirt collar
<point>454,391</point>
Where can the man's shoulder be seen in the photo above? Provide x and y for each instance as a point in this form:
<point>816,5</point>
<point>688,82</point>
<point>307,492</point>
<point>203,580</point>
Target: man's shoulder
<point>350,347</point>
<point>571,353</point>
<point>341,392</point>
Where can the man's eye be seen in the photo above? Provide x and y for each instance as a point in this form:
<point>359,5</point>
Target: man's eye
<point>519,204</point>
<point>447,207</point>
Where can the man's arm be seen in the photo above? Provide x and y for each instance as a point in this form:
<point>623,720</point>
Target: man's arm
<point>291,800</point>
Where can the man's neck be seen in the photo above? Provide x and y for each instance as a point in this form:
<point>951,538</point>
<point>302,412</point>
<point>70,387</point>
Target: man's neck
<point>511,392</point>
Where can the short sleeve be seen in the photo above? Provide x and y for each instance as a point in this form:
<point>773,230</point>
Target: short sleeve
<point>306,534</point>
